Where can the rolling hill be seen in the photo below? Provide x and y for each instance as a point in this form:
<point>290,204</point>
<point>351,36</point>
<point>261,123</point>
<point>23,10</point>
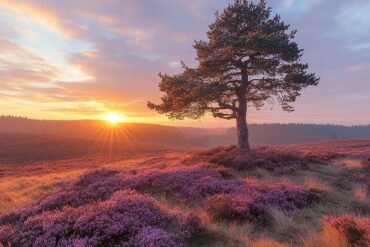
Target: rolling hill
<point>260,134</point>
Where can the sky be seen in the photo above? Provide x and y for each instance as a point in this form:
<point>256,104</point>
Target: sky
<point>80,59</point>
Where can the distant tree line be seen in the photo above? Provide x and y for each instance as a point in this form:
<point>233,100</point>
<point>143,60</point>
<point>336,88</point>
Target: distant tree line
<point>184,136</point>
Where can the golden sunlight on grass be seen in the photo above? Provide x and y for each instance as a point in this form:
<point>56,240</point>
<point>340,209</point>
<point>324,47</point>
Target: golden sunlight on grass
<point>19,187</point>
<point>328,237</point>
<point>267,243</point>
<point>17,191</point>
<point>317,184</point>
<point>113,118</point>
<point>361,193</point>
<point>350,163</point>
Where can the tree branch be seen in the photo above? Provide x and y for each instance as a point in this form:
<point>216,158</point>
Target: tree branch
<point>225,115</point>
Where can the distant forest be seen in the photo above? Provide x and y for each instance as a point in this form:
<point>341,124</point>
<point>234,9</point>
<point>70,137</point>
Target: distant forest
<point>260,134</point>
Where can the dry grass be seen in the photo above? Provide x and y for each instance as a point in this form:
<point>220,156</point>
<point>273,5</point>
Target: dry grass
<point>357,148</point>
<point>267,243</point>
<point>316,184</point>
<point>31,168</point>
<point>17,191</point>
<point>286,228</point>
<point>232,234</point>
<point>350,163</point>
<point>361,193</point>
<point>328,237</point>
<point>343,185</point>
<point>35,180</point>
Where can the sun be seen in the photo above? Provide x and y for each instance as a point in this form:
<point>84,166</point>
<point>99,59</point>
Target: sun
<point>113,118</point>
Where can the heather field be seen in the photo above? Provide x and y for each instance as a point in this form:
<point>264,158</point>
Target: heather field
<point>303,195</point>
<point>147,123</point>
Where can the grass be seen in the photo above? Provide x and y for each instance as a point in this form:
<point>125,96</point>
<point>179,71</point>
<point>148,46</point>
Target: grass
<point>17,191</point>
<point>340,177</point>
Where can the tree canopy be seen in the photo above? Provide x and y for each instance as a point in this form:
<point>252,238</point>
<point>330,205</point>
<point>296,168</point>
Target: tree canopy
<point>249,59</point>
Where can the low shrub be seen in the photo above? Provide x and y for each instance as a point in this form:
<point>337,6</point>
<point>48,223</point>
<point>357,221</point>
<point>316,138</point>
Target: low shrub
<point>273,160</point>
<point>96,210</point>
<point>255,202</point>
<point>153,237</point>
<point>236,208</point>
<point>192,230</point>
<point>122,219</point>
<point>183,184</point>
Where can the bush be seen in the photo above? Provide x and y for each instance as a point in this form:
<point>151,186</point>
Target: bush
<point>183,184</point>
<point>192,230</point>
<point>153,237</point>
<point>118,220</point>
<point>255,202</point>
<point>273,160</point>
<point>236,208</point>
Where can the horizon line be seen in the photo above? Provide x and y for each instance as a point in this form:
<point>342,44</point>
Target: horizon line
<point>179,126</point>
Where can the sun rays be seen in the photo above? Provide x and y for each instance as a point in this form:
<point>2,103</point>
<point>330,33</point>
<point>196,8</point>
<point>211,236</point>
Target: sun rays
<point>113,118</point>
<point>111,134</point>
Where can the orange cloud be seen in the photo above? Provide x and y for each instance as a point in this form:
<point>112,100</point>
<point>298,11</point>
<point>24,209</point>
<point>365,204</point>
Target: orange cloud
<point>43,15</point>
<point>68,59</point>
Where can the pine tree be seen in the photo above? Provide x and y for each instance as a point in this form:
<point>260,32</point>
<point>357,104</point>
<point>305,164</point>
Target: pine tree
<point>249,59</point>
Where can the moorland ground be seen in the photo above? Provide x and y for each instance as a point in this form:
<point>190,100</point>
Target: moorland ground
<point>300,195</point>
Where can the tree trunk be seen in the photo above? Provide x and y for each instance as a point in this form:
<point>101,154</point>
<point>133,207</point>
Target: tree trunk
<point>242,132</point>
<point>241,113</point>
<point>241,125</point>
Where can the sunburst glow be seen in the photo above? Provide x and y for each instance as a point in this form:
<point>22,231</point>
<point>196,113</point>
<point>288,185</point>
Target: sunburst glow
<point>113,118</point>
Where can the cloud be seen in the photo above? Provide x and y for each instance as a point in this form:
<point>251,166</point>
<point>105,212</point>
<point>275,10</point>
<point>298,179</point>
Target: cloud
<point>68,58</point>
<point>297,7</point>
<point>353,21</point>
<point>355,18</point>
<point>42,14</point>
<point>358,67</point>
<point>86,108</point>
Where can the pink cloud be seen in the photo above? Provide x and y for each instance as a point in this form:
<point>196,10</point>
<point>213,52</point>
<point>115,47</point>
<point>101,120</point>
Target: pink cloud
<point>131,41</point>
